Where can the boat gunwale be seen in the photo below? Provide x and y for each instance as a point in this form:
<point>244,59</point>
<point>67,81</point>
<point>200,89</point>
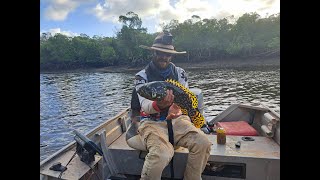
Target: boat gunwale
<point>272,111</point>
<point>88,134</point>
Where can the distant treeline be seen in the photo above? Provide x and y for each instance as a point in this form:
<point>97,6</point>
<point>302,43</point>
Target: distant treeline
<point>203,39</point>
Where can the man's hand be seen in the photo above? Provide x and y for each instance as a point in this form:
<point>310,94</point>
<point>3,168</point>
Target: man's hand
<point>174,111</point>
<point>167,101</point>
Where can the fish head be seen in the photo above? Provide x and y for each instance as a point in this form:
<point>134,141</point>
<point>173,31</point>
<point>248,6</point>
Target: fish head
<point>154,91</point>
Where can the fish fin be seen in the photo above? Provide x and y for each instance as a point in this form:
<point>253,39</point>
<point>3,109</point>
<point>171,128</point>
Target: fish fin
<point>191,95</point>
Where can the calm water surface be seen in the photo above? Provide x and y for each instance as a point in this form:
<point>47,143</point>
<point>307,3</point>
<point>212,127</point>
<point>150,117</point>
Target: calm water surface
<point>81,101</point>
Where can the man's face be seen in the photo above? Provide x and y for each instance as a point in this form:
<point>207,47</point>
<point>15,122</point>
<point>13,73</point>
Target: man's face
<point>162,59</point>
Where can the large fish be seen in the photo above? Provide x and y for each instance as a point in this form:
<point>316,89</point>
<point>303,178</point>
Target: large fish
<point>183,97</point>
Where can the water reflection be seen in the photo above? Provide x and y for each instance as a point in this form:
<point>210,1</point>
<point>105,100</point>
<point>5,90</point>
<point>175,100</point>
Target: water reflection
<point>222,88</point>
<point>78,101</point>
<point>83,100</point>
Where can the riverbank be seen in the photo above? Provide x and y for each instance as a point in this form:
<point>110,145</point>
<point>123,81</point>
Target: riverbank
<point>215,64</point>
<point>230,63</point>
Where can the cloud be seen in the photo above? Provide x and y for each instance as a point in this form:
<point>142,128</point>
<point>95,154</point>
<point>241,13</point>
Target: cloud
<point>160,10</point>
<point>265,2</point>
<point>58,10</point>
<point>111,10</point>
<point>58,30</point>
<point>222,14</point>
<point>239,7</point>
<point>155,11</point>
<point>185,9</point>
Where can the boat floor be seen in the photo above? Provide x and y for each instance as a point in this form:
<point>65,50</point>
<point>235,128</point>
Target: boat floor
<point>75,169</point>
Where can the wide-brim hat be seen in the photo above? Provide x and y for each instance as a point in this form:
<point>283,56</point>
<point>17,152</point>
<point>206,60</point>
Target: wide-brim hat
<point>163,43</point>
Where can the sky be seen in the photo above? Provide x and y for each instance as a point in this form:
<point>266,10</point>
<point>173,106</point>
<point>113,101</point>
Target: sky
<point>100,17</point>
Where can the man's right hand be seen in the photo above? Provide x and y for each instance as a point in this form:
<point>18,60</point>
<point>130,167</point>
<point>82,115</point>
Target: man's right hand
<point>167,101</point>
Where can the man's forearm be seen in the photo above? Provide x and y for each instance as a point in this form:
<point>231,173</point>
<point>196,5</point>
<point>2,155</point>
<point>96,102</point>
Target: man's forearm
<point>149,106</point>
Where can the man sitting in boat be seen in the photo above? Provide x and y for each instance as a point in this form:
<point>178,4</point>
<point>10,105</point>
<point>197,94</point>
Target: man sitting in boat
<point>153,129</point>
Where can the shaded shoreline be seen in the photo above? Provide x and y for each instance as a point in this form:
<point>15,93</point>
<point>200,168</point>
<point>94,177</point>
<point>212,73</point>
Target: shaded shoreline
<point>203,65</point>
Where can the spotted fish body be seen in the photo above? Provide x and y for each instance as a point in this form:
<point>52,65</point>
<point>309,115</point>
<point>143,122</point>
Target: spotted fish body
<point>183,97</point>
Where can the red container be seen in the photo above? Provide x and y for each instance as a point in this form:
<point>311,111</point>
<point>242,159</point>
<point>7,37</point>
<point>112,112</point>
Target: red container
<point>237,128</point>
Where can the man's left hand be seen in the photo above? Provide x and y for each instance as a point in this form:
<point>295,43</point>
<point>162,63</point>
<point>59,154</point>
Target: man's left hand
<point>174,111</point>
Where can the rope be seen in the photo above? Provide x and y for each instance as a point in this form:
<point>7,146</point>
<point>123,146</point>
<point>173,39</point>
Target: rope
<point>59,177</point>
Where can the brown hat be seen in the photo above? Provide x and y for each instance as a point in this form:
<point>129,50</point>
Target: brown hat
<point>163,43</point>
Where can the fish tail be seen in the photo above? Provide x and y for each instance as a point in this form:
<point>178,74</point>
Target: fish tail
<point>198,119</point>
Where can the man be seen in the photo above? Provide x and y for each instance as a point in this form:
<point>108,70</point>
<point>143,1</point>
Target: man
<point>153,129</point>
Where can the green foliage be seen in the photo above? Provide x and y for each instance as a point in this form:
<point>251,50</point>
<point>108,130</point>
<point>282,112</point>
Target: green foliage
<point>203,39</point>
<point>108,55</point>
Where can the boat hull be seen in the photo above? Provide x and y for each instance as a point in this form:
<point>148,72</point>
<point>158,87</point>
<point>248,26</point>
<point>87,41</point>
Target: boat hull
<point>258,159</point>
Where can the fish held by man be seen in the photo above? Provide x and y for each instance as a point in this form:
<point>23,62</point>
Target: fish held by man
<point>183,97</point>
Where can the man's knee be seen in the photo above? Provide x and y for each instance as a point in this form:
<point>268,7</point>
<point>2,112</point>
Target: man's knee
<point>162,153</point>
<point>200,143</point>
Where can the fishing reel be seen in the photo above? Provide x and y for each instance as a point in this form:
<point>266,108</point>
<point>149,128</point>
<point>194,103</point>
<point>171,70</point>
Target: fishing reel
<point>86,149</point>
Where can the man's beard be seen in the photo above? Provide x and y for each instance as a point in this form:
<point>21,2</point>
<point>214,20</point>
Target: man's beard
<point>157,64</point>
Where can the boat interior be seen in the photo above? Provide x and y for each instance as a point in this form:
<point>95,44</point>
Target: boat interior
<point>257,155</point>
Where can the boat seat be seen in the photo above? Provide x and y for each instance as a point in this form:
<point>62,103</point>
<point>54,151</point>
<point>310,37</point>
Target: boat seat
<point>131,161</point>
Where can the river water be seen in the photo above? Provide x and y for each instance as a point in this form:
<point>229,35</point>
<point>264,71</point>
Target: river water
<point>81,101</point>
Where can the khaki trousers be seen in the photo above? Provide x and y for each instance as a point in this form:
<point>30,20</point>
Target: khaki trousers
<point>160,151</point>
